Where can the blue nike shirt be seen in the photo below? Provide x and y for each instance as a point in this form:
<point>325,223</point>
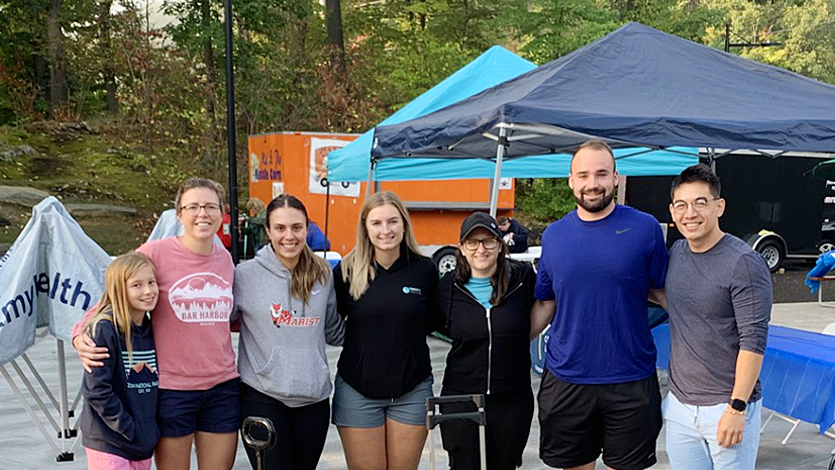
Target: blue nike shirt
<point>599,273</point>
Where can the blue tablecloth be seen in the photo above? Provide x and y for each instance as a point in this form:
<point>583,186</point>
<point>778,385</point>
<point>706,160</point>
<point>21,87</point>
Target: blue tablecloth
<point>798,373</point>
<point>661,335</point>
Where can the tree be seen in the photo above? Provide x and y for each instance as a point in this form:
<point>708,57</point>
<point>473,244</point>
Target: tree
<point>805,30</point>
<point>105,39</point>
<point>333,15</point>
<point>57,65</point>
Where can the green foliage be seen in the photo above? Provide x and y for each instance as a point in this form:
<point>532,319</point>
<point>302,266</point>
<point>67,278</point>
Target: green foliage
<point>20,97</point>
<point>103,166</point>
<point>171,94</point>
<point>542,201</point>
<point>805,30</point>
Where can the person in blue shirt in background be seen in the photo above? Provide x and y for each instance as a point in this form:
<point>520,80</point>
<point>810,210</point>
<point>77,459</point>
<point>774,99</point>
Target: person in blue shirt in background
<point>599,264</point>
<point>316,239</point>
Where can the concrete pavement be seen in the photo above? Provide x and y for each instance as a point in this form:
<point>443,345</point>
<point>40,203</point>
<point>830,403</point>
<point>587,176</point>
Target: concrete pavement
<point>22,447</point>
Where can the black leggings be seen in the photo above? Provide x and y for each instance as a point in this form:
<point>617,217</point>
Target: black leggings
<point>300,432</point>
<point>508,426</point>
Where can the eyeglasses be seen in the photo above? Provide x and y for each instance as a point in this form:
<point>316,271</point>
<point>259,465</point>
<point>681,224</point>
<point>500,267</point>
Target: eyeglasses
<point>488,243</point>
<point>194,209</point>
<point>699,204</point>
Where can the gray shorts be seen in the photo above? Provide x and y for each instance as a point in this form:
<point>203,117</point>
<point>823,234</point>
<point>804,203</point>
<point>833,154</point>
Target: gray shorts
<point>352,409</point>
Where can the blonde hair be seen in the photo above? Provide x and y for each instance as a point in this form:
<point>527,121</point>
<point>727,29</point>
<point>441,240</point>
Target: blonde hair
<point>310,267</point>
<point>254,206</point>
<point>114,304</point>
<point>197,182</point>
<point>358,267</point>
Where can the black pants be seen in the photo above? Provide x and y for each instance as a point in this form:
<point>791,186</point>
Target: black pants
<point>300,432</point>
<point>508,426</point>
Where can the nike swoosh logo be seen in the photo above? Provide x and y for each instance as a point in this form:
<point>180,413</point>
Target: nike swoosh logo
<point>622,231</point>
<point>314,292</point>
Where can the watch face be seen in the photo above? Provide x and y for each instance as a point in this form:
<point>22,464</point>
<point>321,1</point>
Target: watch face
<point>738,404</point>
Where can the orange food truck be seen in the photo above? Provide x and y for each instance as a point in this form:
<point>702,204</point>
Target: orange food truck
<point>296,163</point>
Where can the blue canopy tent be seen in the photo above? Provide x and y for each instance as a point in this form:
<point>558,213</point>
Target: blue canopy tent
<point>636,87</point>
<point>353,162</point>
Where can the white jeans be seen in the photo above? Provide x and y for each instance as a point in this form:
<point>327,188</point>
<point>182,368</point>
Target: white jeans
<point>691,437</point>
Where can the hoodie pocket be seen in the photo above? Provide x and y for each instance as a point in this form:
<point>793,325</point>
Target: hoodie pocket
<point>147,435</point>
<point>295,373</point>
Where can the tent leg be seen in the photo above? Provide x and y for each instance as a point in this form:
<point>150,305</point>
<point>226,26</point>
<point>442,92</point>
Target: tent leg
<point>29,410</point>
<point>41,382</point>
<point>494,188</point>
<point>35,396</point>
<point>75,444</point>
<point>75,403</point>
<point>62,379</point>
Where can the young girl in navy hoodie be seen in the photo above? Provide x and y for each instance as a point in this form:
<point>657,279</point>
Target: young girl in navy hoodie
<point>120,399</point>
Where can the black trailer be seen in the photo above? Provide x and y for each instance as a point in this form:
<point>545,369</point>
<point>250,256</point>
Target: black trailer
<point>771,204</point>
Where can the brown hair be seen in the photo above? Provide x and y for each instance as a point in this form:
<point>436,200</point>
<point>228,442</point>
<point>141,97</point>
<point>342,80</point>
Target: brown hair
<point>500,280</point>
<point>197,182</point>
<point>310,267</point>
<point>593,144</point>
<point>254,206</point>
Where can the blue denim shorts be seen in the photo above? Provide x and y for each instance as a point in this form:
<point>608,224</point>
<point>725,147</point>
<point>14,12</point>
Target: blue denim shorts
<point>216,410</point>
<point>352,409</point>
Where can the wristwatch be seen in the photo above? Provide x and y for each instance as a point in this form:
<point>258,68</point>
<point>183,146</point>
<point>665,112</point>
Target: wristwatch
<point>738,405</point>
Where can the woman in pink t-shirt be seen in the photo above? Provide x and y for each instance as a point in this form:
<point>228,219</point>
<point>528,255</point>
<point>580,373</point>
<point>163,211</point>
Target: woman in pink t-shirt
<point>198,381</point>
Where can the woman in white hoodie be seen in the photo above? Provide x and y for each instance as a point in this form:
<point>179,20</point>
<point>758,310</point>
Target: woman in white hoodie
<point>285,301</point>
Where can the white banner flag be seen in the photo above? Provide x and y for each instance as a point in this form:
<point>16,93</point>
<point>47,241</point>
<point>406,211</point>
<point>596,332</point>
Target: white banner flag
<point>50,276</point>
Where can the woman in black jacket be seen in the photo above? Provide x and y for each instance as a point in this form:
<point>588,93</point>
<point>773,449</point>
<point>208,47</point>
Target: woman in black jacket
<point>385,291</point>
<point>484,307</point>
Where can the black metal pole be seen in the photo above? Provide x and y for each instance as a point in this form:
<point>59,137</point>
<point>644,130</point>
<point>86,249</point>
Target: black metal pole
<point>327,214</point>
<point>230,130</point>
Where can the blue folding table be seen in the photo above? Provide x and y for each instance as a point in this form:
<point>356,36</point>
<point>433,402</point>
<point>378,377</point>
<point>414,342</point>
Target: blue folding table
<point>798,373</point>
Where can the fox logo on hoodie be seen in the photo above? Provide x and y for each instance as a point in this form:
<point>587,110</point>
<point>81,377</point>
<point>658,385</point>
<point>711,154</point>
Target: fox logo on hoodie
<point>281,316</point>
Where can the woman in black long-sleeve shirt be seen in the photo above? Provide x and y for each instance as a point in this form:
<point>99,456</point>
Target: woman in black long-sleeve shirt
<point>484,307</point>
<point>385,290</point>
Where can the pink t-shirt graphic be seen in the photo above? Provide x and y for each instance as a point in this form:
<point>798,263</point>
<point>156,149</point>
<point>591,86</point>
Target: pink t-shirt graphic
<point>201,298</point>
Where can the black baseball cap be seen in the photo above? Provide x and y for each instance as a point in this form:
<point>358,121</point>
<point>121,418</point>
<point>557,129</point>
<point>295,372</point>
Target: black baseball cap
<point>480,220</point>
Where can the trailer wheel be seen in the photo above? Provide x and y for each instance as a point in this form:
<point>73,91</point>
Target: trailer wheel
<point>444,260</point>
<point>773,254</point>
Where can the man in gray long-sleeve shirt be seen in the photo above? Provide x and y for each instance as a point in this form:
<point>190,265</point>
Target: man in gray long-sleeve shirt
<point>719,298</point>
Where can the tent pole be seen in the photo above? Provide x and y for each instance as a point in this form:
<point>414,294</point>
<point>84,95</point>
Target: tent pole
<point>494,188</point>
<point>30,411</point>
<point>64,400</point>
<point>370,179</point>
<point>325,247</point>
<point>622,190</point>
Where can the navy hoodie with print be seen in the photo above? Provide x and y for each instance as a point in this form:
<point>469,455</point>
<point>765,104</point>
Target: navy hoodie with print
<point>120,398</point>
